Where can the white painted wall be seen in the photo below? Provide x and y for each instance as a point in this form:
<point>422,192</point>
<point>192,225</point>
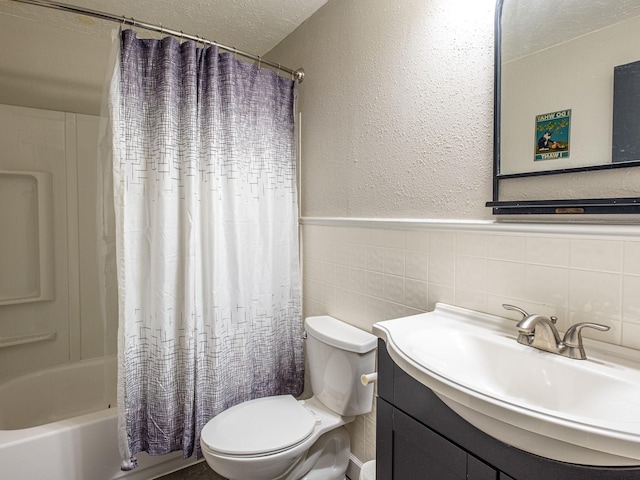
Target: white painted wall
<point>44,65</point>
<point>397,108</point>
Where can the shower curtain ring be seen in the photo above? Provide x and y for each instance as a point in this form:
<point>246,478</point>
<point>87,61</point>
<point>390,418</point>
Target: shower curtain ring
<point>131,22</point>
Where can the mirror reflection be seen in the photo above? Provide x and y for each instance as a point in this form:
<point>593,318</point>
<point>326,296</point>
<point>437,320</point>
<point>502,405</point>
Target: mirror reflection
<point>570,85</point>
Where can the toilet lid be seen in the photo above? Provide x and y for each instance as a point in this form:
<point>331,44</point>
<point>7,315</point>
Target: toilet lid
<point>260,426</point>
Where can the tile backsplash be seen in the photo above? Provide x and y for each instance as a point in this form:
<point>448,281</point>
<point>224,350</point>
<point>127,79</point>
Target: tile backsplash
<point>366,271</point>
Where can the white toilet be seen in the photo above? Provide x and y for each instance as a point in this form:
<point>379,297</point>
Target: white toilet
<point>281,438</point>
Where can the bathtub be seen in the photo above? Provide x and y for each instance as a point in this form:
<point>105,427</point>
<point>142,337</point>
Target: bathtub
<point>61,424</point>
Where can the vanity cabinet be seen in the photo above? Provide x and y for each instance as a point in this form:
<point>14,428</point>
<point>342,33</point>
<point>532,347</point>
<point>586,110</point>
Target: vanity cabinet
<point>419,452</point>
<point>420,438</point>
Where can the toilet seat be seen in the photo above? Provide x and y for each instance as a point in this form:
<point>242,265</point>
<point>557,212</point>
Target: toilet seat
<point>259,427</point>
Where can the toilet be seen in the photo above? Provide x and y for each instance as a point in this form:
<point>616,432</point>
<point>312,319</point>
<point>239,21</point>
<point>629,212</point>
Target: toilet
<point>281,438</point>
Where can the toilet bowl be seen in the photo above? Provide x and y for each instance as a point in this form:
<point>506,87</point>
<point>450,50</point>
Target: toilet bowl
<point>271,438</point>
<point>281,438</point>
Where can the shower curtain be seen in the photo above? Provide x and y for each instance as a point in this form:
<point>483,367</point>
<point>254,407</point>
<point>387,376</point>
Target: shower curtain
<point>206,238</point>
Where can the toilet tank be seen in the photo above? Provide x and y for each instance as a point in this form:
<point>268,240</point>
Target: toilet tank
<point>338,355</point>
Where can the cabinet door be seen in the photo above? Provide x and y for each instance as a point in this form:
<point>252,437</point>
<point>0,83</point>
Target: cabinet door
<point>478,470</point>
<point>384,441</point>
<point>385,373</point>
<point>421,454</point>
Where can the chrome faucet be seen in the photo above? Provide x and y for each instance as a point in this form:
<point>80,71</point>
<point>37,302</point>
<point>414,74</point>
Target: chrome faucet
<point>540,332</point>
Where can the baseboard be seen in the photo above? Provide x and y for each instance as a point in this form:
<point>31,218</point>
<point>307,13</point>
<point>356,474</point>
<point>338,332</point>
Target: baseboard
<point>353,470</point>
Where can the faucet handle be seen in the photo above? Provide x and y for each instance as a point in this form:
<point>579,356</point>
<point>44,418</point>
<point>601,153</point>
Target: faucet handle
<point>524,314</point>
<point>506,306</point>
<point>573,338</point>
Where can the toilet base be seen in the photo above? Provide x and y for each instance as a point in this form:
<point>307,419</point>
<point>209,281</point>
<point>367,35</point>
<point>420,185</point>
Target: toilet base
<point>327,459</point>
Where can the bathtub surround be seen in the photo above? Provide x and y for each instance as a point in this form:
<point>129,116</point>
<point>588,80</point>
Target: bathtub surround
<point>40,380</point>
<point>206,238</point>
<point>61,146</point>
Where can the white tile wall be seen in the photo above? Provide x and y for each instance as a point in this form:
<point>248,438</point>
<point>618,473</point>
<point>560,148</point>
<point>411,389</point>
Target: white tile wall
<point>365,274</point>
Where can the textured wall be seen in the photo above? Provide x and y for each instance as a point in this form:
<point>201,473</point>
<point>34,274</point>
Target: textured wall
<point>397,108</point>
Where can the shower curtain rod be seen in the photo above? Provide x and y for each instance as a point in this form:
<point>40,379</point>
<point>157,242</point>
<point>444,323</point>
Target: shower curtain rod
<point>295,74</point>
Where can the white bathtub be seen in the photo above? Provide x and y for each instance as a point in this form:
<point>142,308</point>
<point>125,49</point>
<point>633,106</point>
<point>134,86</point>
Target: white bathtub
<point>61,424</point>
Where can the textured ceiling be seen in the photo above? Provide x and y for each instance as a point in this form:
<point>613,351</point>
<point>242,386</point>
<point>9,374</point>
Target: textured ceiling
<point>56,60</point>
<point>255,26</point>
<point>529,26</point>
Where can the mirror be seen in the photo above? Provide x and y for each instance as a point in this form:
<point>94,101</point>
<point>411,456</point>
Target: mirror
<point>567,106</point>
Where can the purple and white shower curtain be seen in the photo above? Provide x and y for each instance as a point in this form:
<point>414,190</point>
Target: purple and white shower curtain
<point>206,238</point>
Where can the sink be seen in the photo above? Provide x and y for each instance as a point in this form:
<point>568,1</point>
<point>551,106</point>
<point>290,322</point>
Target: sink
<point>578,411</point>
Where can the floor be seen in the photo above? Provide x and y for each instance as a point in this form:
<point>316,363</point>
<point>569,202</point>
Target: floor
<point>200,471</point>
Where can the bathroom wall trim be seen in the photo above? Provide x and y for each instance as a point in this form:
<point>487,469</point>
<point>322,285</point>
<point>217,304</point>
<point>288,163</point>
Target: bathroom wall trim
<point>587,229</point>
<point>355,465</point>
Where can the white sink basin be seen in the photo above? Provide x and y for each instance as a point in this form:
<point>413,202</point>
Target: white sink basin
<point>578,411</point>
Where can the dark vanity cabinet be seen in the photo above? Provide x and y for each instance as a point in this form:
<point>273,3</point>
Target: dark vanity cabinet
<point>431,456</point>
<point>420,438</point>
